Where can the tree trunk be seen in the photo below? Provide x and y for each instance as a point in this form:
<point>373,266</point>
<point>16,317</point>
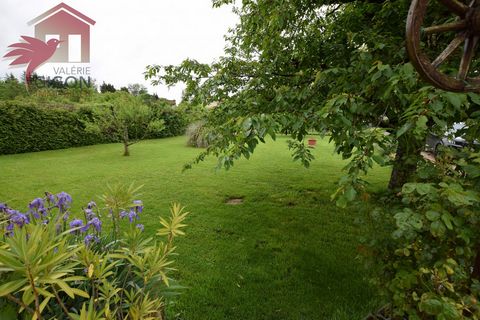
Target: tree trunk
<point>405,165</point>
<point>126,152</point>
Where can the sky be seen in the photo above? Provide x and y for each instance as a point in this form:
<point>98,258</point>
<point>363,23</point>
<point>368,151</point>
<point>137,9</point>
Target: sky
<point>129,35</point>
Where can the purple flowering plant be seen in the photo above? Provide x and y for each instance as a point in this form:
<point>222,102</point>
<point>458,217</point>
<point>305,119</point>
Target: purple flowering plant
<point>74,251</point>
<point>56,208</point>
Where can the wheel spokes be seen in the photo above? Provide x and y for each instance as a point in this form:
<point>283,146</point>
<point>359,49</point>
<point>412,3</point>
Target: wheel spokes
<point>468,52</point>
<point>453,26</point>
<point>460,9</point>
<point>449,49</point>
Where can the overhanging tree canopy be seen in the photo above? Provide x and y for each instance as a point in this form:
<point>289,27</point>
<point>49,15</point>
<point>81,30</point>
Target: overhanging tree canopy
<point>337,67</point>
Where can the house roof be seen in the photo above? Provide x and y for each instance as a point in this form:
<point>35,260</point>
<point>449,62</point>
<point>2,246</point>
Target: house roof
<point>62,7</point>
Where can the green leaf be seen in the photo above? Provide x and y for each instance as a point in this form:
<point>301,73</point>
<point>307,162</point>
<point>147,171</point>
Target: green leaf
<point>379,159</point>
<point>450,312</point>
<point>437,228</point>
<point>407,126</point>
<point>342,202</point>
<point>11,286</point>
<point>431,306</point>
<point>447,219</point>
<point>432,215</point>
<point>350,193</point>
<point>421,124</point>
<point>423,188</point>
<point>408,188</point>
<point>454,99</point>
<point>474,97</point>
<point>64,286</point>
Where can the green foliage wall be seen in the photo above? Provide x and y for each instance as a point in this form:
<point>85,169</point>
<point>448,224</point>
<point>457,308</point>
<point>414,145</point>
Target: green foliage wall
<point>26,127</point>
<point>175,122</point>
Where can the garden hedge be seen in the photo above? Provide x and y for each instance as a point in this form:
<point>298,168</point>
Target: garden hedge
<point>27,128</point>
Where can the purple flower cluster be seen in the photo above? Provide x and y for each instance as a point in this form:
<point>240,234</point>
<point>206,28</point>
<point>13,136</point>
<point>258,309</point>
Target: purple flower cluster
<point>132,214</point>
<point>63,201</point>
<point>40,211</point>
<point>14,218</point>
<point>93,222</point>
<point>90,238</point>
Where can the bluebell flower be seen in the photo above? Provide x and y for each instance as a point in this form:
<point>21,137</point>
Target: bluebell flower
<point>43,211</point>
<point>19,218</point>
<point>91,205</point>
<point>64,201</point>
<point>3,207</point>
<point>34,213</point>
<point>132,215</point>
<point>89,213</point>
<point>85,228</point>
<point>76,223</point>
<point>96,223</point>
<point>138,205</point>
<point>89,238</point>
<point>37,203</point>
<point>141,227</point>
<point>50,198</point>
<point>123,214</point>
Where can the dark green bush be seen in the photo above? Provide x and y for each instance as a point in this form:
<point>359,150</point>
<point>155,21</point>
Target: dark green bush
<point>28,127</point>
<point>175,122</point>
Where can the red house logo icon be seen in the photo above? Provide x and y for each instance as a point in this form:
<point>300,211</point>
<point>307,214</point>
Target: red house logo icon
<point>70,27</point>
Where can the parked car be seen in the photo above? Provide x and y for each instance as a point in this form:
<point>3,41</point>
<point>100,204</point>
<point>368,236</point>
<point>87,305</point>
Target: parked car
<point>452,138</point>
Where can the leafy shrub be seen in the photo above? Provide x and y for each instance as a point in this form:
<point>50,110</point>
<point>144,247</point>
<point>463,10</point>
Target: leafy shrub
<point>30,127</point>
<point>52,267</point>
<point>26,128</point>
<point>174,122</point>
<point>197,135</point>
<point>427,244</point>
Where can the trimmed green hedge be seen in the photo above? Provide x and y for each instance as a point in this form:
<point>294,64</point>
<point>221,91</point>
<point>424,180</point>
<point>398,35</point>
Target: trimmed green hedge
<point>175,122</point>
<point>27,128</point>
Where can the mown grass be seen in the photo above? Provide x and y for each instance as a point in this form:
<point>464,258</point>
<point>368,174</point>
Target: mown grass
<point>286,252</point>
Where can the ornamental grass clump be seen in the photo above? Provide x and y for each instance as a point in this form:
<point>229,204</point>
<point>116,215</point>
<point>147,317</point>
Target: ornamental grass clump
<point>56,267</point>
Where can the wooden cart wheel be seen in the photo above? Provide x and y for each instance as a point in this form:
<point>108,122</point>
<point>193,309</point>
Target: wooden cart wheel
<point>464,29</point>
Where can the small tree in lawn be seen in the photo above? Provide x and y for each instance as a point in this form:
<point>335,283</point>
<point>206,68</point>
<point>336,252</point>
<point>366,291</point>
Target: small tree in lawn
<point>126,118</point>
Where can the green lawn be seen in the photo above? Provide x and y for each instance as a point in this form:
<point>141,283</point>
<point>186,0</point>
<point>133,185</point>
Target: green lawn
<point>286,253</point>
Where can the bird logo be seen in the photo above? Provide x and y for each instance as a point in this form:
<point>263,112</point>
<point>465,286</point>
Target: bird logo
<point>33,52</point>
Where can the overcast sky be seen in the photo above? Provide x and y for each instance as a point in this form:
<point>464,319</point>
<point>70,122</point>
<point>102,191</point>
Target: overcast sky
<point>128,35</point>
